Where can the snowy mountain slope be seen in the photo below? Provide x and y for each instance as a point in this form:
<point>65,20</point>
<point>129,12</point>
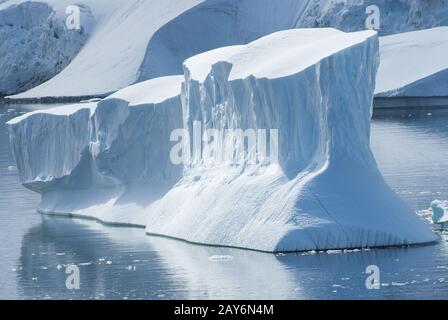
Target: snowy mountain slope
<point>136,40</point>
<point>111,58</point>
<point>155,37</point>
<point>324,192</point>
<point>414,64</point>
<point>215,24</point>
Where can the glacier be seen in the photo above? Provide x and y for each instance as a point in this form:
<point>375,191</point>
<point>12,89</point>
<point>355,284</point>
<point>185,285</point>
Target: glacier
<point>35,45</point>
<point>414,64</point>
<point>141,40</point>
<point>111,160</point>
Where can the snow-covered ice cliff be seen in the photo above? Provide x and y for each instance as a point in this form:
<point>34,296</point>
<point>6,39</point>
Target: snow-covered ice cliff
<point>35,45</point>
<point>112,160</point>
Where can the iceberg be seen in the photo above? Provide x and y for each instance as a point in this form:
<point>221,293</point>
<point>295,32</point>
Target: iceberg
<point>414,64</point>
<point>112,160</point>
<point>440,212</point>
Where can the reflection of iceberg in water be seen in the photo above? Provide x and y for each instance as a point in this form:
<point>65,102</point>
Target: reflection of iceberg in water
<point>163,268</point>
<point>124,263</point>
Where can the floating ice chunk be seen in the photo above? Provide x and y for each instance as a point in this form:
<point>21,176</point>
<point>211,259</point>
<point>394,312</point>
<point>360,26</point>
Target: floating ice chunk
<point>220,258</point>
<point>12,168</point>
<point>440,212</point>
<point>111,160</point>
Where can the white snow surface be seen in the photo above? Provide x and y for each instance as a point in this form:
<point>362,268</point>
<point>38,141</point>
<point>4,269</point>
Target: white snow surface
<point>111,161</point>
<point>414,64</point>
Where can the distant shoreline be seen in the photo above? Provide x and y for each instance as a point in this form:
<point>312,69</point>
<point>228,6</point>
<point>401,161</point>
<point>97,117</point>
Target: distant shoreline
<point>417,103</point>
<point>421,103</point>
<point>51,100</point>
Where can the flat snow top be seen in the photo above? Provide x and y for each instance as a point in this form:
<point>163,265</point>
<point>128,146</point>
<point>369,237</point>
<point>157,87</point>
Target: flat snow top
<point>65,110</point>
<point>277,55</point>
<point>411,56</point>
<point>151,91</point>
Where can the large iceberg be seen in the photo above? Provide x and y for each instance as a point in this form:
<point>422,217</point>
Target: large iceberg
<point>311,88</point>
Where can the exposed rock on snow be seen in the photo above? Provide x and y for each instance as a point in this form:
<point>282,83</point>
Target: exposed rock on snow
<point>111,160</point>
<point>414,64</point>
<point>35,45</point>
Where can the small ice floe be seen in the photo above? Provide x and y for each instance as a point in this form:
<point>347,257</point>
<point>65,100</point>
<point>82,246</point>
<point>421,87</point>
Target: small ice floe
<point>12,168</point>
<point>440,212</point>
<point>218,258</point>
<point>334,251</point>
<point>60,254</point>
<point>108,262</point>
<point>131,268</point>
<point>84,264</point>
<point>308,253</point>
<point>59,267</point>
<point>11,110</point>
<point>280,255</point>
<point>44,268</point>
<point>399,284</point>
<point>34,278</point>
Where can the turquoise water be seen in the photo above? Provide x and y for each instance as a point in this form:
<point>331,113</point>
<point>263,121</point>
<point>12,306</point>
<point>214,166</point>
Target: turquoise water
<point>123,263</point>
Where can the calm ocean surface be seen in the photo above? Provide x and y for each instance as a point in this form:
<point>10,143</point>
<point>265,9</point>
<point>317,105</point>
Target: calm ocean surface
<point>122,263</point>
